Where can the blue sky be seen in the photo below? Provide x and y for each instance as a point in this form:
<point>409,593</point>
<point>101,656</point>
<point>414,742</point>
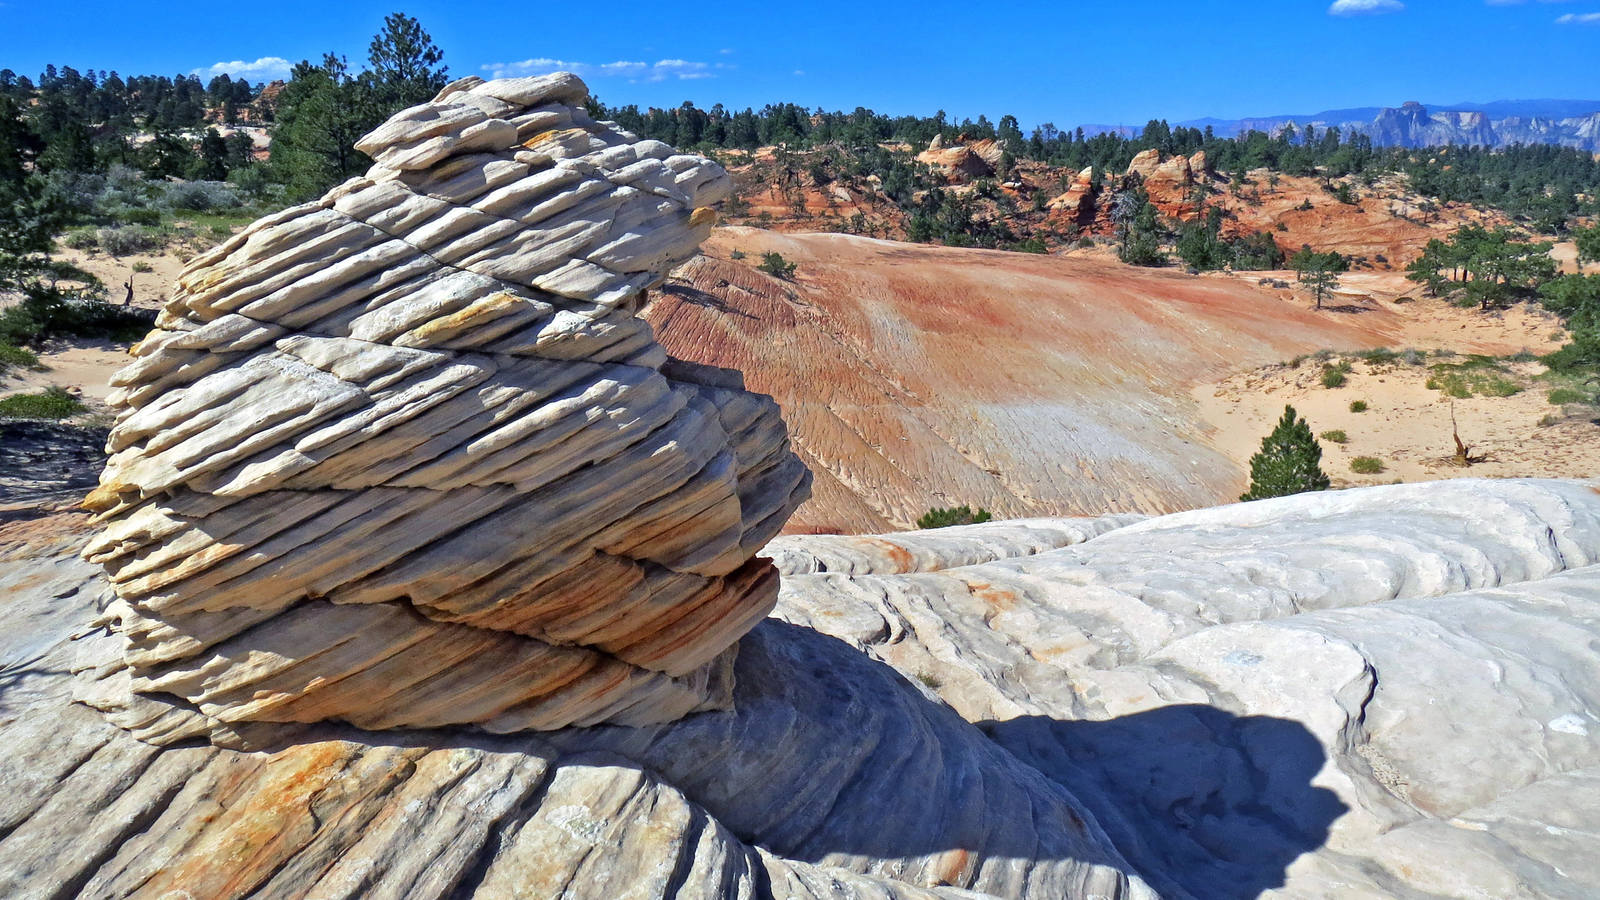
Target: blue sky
<point>1062,62</point>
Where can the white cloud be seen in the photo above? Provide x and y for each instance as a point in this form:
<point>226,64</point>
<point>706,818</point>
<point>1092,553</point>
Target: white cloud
<point>799,71</point>
<point>264,69</point>
<point>1579,19</point>
<point>661,70</point>
<point>1364,7</point>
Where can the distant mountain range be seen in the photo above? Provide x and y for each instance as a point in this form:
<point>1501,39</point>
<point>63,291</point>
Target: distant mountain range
<point>1501,123</point>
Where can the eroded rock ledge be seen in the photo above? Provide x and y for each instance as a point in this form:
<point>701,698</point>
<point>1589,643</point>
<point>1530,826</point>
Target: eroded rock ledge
<point>404,456</point>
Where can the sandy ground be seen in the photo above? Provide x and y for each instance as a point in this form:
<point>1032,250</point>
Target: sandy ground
<point>1566,257</point>
<point>1407,425</point>
<point>1424,322</point>
<point>149,288</point>
<point>81,367</point>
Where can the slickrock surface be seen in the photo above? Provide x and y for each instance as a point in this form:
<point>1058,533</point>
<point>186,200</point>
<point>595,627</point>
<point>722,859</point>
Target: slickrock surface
<point>832,777</point>
<point>405,457</point>
<point>1386,691</point>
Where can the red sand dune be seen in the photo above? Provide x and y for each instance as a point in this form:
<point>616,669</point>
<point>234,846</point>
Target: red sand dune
<point>917,376</point>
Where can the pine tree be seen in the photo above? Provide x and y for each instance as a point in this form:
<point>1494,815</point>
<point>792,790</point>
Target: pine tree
<point>405,63</point>
<point>1288,461</point>
<point>322,112</point>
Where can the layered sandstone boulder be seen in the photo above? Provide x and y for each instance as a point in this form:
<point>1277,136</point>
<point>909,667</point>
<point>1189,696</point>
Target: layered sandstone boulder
<point>405,457</point>
<point>1077,203</point>
<point>965,161</point>
<point>1144,163</point>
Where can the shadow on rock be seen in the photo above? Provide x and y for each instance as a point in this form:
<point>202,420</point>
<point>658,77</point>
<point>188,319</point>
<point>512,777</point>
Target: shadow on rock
<point>833,757</point>
<point>1200,800</point>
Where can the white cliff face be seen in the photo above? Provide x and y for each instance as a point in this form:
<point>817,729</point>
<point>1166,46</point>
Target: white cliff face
<point>404,456</point>
<point>1378,692</point>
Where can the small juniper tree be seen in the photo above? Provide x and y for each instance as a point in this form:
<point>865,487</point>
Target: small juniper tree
<point>775,265</point>
<point>1288,461</point>
<point>938,517</point>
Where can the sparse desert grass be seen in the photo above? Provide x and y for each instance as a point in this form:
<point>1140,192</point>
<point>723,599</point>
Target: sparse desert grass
<point>1336,436</point>
<point>1479,375</point>
<point>1358,406</point>
<point>1320,356</point>
<point>1334,376</point>
<point>1564,395</point>
<point>1366,465</point>
<point>17,356</point>
<point>1375,356</point>
<point>52,403</point>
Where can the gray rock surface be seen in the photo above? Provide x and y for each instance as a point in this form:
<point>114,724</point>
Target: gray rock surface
<point>1389,691</point>
<point>1392,691</point>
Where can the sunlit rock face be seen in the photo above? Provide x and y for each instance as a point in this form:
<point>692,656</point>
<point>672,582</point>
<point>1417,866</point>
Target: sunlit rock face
<point>405,457</point>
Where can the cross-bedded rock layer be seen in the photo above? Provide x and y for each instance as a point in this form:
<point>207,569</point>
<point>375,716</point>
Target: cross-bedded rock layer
<point>404,456</point>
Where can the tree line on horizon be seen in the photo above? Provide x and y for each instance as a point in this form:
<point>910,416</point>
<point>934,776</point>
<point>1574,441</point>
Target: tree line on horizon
<point>94,149</point>
<point>88,121</point>
<point>1541,184</point>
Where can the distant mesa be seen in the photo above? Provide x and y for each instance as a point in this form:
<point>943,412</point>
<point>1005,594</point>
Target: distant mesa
<point>404,456</point>
<point>1567,123</point>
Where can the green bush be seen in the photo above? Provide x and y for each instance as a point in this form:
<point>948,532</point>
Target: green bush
<point>38,318</point>
<point>1566,395</point>
<point>199,196</point>
<point>53,403</point>
<point>252,180</point>
<point>1366,465</point>
<point>1332,377</point>
<point>121,240</point>
<point>81,239</point>
<point>938,517</point>
<point>134,215</point>
<point>775,265</point>
<point>737,254</point>
<point>16,356</point>
<point>1358,406</point>
<point>1335,436</point>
